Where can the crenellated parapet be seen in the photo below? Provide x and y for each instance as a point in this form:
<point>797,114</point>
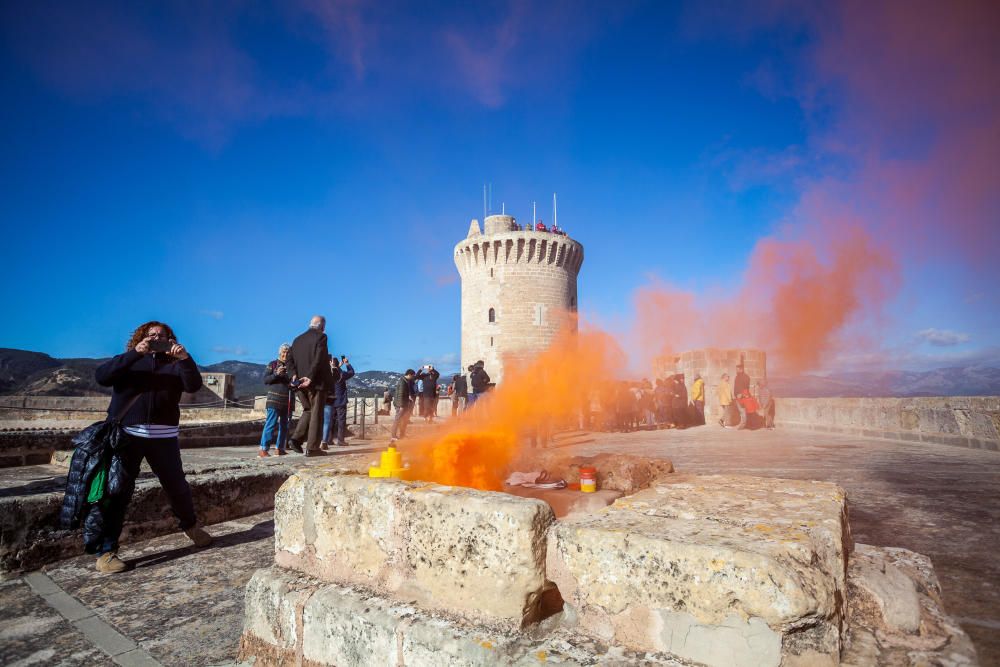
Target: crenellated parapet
<point>519,247</point>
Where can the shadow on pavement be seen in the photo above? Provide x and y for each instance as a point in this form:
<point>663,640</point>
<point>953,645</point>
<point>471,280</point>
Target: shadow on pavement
<point>261,531</point>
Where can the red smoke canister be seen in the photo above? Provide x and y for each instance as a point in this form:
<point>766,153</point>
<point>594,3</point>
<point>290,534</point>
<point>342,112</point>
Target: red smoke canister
<point>588,479</point>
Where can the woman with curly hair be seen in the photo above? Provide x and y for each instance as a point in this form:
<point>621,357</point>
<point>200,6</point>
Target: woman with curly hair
<point>147,381</point>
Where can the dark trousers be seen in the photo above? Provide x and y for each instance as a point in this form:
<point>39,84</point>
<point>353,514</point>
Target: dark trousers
<point>164,458</point>
<point>340,419</point>
<point>699,407</point>
<point>309,428</point>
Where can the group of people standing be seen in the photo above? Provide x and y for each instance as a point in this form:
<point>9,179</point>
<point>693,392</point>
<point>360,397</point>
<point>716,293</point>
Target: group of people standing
<point>740,408</point>
<point>307,369</point>
<point>627,406</point>
<point>413,387</point>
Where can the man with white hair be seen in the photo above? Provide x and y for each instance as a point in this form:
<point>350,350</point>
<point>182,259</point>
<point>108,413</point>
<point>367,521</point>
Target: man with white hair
<point>309,365</point>
<point>276,378</point>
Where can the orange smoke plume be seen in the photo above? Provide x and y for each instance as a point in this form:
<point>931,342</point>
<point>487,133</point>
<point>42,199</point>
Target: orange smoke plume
<point>797,301</point>
<point>543,395</point>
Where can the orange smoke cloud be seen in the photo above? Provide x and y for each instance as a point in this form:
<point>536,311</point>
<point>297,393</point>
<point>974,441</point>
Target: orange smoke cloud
<point>797,301</point>
<point>802,304</point>
<point>545,394</point>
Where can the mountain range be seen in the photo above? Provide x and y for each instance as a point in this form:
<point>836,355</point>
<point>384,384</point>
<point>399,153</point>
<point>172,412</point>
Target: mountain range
<point>36,373</point>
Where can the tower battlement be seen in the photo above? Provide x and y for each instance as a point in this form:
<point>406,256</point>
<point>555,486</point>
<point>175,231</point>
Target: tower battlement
<point>517,286</point>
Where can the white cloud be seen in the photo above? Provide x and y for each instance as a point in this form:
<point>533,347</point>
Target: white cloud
<point>237,351</point>
<point>942,337</point>
<point>447,360</point>
<point>214,314</point>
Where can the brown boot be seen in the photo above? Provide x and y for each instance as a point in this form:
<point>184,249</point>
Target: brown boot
<point>110,563</point>
<point>198,535</point>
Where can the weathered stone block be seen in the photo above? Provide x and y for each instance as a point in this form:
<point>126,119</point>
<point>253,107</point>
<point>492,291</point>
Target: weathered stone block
<point>896,616</point>
<point>751,567</point>
<point>477,554</point>
<point>273,599</point>
<point>344,625</point>
<point>272,617</point>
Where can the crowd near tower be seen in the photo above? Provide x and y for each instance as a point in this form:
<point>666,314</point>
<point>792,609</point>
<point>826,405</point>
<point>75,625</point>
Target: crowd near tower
<point>518,284</point>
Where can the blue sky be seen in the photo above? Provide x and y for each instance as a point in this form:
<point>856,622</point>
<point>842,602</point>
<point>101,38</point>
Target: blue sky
<point>233,169</point>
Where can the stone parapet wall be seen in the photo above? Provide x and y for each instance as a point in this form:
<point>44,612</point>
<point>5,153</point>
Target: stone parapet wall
<point>720,570</point>
<point>31,536</point>
<point>37,408</point>
<point>474,554</point>
<point>965,421</point>
<point>37,446</point>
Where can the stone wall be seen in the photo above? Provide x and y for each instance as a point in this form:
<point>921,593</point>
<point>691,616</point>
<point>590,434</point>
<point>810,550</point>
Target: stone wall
<point>966,421</point>
<point>527,278</point>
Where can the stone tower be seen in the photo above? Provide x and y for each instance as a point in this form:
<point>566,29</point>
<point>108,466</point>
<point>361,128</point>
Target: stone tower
<point>516,287</point>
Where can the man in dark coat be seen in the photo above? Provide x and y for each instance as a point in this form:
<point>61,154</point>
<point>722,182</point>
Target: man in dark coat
<point>741,390</point>
<point>680,402</point>
<point>429,376</point>
<point>480,380</point>
<point>309,364</point>
<point>340,399</point>
<point>460,390</point>
<point>403,402</point>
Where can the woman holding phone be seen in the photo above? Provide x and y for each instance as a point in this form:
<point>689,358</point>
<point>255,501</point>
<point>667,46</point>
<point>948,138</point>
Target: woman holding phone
<point>148,380</point>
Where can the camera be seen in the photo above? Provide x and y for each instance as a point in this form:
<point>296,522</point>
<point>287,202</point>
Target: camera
<point>160,345</point>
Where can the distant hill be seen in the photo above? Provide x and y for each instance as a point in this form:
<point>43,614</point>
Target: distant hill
<point>959,381</point>
<point>36,373</point>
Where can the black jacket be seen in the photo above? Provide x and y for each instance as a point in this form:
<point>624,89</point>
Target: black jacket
<point>480,380</point>
<point>461,387</point>
<point>430,379</point>
<point>339,392</point>
<point>97,446</point>
<point>277,386</point>
<point>404,393</point>
<point>310,358</point>
<point>741,384</point>
<point>159,378</point>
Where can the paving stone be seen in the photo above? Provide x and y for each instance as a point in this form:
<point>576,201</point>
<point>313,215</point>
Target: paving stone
<point>104,636</point>
<point>33,633</point>
<point>68,606</point>
<point>182,605</point>
<point>40,583</point>
<point>136,658</point>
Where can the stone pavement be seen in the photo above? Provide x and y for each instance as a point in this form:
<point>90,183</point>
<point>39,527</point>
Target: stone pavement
<point>185,607</point>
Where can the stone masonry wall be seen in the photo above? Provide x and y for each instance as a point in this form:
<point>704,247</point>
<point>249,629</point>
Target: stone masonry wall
<point>967,421</point>
<point>528,278</point>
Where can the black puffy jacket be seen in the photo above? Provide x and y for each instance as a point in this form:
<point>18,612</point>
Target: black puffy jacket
<point>97,445</point>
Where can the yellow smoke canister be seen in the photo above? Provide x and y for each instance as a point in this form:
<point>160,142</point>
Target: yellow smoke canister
<point>390,465</point>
